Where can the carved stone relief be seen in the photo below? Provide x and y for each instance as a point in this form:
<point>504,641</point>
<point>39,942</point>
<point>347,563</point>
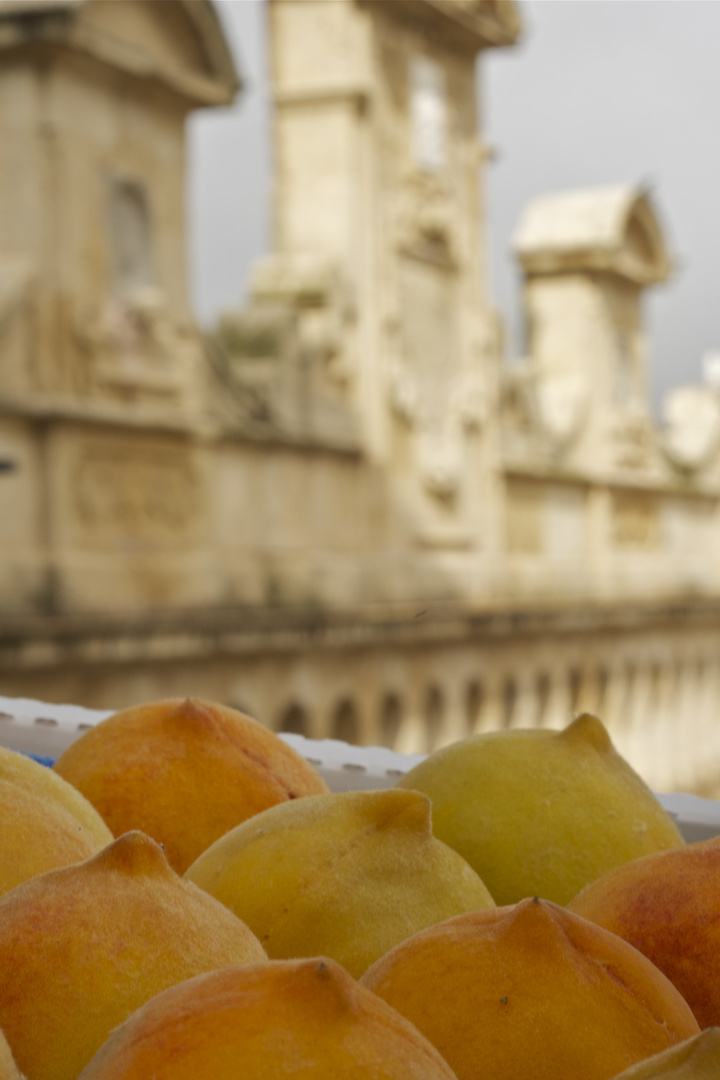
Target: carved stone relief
<point>633,438</point>
<point>135,342</point>
<point>316,290</point>
<point>431,390</point>
<point>550,406</point>
<point>424,220</point>
<point>691,436</point>
<point>635,520</point>
<point>125,494</point>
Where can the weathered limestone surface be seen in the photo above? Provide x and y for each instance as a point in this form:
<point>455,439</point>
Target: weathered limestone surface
<point>343,509</point>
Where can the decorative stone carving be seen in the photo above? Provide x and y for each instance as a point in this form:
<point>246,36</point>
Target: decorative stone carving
<point>136,343</point>
<point>469,399</point>
<point>431,388</point>
<point>404,392</point>
<point>466,394</point>
<point>635,519</point>
<point>691,436</point>
<point>126,493</point>
<point>315,289</point>
<point>551,405</point>
<point>441,457</point>
<point>561,401</point>
<point>633,438</point>
<point>424,218</point>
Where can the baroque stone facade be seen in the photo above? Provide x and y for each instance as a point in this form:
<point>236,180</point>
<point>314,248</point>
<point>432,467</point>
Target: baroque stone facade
<point>342,510</point>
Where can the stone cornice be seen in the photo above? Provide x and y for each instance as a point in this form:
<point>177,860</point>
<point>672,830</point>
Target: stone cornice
<point>480,24</point>
<point>47,641</point>
<point>60,24</point>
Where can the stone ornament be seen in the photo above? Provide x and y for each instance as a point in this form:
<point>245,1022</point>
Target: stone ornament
<point>136,342</point>
<point>691,434</point>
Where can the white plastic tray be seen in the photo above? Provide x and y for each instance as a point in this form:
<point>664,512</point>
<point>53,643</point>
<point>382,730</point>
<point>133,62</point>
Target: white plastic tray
<point>36,727</point>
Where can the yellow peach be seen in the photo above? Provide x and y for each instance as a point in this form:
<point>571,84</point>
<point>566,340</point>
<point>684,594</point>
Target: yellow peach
<point>44,822</point>
<point>346,875</point>
<point>184,772</point>
<point>83,947</point>
<point>542,813</point>
<point>531,990</point>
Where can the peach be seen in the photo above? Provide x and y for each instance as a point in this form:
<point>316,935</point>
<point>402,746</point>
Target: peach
<point>84,946</point>
<point>695,1059</point>
<point>287,1018</point>
<point>542,813</point>
<point>668,906</point>
<point>346,875</point>
<point>184,772</point>
<point>531,990</point>
<point>44,822</point>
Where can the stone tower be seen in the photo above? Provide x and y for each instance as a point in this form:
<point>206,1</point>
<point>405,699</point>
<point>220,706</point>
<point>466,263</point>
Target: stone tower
<point>378,185</point>
<point>588,255</point>
<point>101,364</point>
<point>93,277</point>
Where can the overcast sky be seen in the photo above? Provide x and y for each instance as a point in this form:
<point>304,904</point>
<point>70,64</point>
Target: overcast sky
<point>598,91</point>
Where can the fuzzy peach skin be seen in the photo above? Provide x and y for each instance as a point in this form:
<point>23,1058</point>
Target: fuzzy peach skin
<point>541,813</point>
<point>44,822</point>
<point>346,875</point>
<point>82,947</point>
<point>695,1059</point>
<point>668,906</point>
<point>184,772</point>
<point>305,1018</point>
<point>531,990</point>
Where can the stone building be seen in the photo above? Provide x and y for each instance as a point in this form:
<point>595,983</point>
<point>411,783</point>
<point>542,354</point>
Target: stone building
<point>343,510</point>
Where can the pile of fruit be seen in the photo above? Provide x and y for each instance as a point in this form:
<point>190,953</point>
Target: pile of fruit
<point>182,898</point>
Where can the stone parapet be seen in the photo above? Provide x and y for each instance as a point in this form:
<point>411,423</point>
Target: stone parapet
<point>411,680</point>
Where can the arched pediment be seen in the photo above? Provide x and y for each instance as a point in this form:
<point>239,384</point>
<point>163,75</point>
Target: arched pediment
<point>180,43</point>
<point>613,229</point>
<point>481,24</point>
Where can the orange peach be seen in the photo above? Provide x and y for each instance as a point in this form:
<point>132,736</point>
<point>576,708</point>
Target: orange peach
<point>83,947</point>
<point>668,906</point>
<point>44,822</point>
<point>531,990</point>
<point>346,875</point>
<point>184,772</point>
<point>286,1018</point>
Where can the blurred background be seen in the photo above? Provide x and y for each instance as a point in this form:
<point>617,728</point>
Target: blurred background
<point>359,365</point>
<point>593,93</point>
